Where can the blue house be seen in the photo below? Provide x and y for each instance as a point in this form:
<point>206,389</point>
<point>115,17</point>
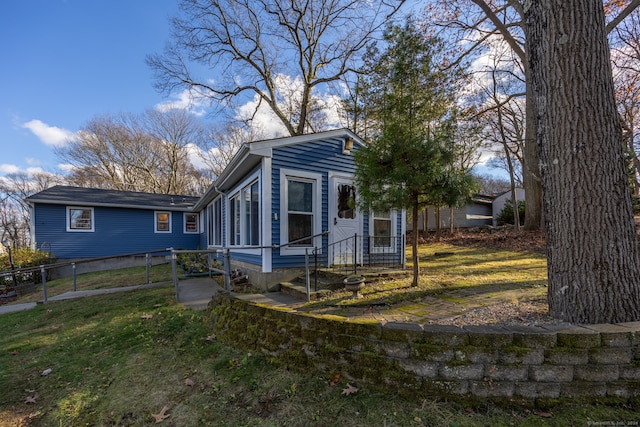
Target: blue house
<point>282,198</point>
<point>76,223</point>
<point>276,202</point>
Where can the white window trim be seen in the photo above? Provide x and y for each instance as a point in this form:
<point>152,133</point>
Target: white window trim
<point>79,230</point>
<point>393,216</point>
<point>286,174</point>
<point>155,222</point>
<point>184,223</point>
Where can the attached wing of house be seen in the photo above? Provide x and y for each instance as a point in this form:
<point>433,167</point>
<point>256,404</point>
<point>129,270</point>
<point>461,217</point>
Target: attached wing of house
<point>75,222</point>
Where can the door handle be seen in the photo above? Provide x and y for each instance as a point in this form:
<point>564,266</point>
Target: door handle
<point>335,221</point>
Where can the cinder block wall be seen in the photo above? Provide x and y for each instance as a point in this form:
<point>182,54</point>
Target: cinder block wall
<point>532,364</point>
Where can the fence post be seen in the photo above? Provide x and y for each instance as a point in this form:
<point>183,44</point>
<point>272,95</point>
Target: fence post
<point>227,269</point>
<point>307,279</point>
<point>174,271</point>
<point>315,270</point>
<point>73,269</point>
<point>355,254</point>
<point>147,266</point>
<point>43,273</point>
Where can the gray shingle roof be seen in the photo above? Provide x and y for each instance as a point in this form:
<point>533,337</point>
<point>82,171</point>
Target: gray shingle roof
<point>66,195</point>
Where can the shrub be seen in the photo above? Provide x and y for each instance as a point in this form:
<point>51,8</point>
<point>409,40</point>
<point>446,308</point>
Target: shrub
<point>506,215</point>
<point>25,258</point>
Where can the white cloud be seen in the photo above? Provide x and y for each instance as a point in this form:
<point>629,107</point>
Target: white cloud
<point>195,156</point>
<point>289,92</point>
<point>50,135</point>
<point>264,120</point>
<point>189,100</point>
<point>7,169</point>
<point>66,167</point>
<point>34,171</point>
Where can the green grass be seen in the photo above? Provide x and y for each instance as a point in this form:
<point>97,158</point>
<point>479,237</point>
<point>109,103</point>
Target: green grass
<point>446,267</point>
<point>118,359</point>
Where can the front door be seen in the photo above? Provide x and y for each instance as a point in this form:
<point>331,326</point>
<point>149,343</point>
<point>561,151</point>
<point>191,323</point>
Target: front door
<point>344,221</point>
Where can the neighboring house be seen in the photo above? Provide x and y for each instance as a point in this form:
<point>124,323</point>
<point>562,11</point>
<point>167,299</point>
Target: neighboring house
<point>276,193</point>
<point>499,202</point>
<point>276,200</point>
<point>476,213</point>
<point>75,223</point>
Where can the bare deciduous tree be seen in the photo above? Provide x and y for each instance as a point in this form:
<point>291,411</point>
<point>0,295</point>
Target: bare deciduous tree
<point>248,48</point>
<point>222,144</point>
<point>14,212</point>
<point>148,153</point>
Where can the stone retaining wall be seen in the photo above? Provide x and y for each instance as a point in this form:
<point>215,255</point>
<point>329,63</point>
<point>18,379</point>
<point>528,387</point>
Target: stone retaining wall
<point>591,362</point>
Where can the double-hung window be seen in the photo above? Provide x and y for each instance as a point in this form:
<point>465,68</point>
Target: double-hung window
<point>382,229</point>
<point>300,210</point>
<point>191,223</point>
<point>79,219</point>
<point>163,222</point>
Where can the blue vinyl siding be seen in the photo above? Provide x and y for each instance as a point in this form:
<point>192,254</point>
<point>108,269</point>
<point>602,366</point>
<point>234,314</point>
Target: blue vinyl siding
<point>117,231</point>
<point>317,157</point>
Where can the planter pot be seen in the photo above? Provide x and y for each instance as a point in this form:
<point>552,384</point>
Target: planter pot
<point>354,284</point>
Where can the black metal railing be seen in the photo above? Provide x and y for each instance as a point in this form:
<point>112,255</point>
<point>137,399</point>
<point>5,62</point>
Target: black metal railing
<point>351,253</point>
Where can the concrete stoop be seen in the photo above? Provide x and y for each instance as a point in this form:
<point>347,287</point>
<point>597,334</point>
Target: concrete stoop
<point>297,287</point>
<point>328,281</point>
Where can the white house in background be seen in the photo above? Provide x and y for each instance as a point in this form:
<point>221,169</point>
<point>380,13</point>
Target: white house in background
<point>501,200</point>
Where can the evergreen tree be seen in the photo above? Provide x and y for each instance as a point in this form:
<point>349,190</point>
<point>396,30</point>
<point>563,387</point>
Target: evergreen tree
<point>408,105</point>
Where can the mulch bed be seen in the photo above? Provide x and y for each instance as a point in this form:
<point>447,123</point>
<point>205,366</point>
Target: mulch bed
<point>496,237</point>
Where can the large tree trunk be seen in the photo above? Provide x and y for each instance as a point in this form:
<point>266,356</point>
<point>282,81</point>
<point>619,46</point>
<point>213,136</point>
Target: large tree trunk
<point>592,251</point>
<point>531,168</point>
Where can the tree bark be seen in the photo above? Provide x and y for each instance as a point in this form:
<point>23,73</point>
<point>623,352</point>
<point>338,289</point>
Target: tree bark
<point>533,216</point>
<point>592,250</point>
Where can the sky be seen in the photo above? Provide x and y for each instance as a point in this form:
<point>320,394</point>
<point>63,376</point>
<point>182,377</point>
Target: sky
<point>65,62</point>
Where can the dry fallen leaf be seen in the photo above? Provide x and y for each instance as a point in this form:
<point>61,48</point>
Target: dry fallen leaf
<point>147,316</point>
<point>189,382</point>
<point>334,379</point>
<point>349,390</point>
<point>162,415</point>
<point>543,414</point>
<point>46,372</point>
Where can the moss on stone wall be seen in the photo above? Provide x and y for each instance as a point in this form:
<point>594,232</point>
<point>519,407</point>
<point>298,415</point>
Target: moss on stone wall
<point>533,364</point>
